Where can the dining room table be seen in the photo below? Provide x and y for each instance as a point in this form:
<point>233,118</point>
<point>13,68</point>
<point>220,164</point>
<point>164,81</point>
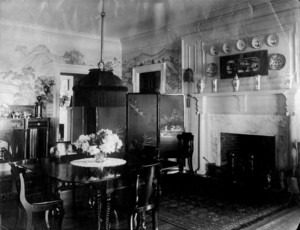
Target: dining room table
<point>102,177</point>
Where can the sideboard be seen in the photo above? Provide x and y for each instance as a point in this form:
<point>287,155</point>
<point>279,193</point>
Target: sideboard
<point>24,139</point>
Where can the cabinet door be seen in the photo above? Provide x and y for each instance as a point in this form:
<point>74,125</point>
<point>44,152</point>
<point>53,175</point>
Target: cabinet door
<point>36,137</point>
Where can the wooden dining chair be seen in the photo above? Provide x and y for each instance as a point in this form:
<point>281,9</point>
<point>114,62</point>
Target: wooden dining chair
<point>38,204</point>
<point>143,196</point>
<point>185,150</point>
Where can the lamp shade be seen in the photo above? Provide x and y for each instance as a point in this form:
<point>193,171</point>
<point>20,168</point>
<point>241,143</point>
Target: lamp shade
<point>100,89</point>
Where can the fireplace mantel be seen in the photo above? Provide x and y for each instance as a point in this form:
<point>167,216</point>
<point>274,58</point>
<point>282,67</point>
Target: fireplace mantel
<point>266,112</point>
<point>272,102</point>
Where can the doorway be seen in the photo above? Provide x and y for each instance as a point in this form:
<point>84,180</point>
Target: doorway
<point>67,81</point>
<point>149,78</point>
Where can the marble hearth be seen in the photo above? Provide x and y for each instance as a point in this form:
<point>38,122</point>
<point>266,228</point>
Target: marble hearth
<point>270,113</point>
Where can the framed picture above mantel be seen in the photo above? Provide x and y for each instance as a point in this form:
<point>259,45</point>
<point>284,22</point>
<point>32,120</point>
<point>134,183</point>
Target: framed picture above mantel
<point>244,64</point>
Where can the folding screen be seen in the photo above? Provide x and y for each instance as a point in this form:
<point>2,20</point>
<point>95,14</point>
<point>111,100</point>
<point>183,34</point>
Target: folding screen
<point>153,122</point>
<point>171,123</point>
<point>142,121</point>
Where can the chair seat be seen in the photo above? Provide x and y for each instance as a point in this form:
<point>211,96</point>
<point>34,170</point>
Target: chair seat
<point>169,167</point>
<point>46,205</point>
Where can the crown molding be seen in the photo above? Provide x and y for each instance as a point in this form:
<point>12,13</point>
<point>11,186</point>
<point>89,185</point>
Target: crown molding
<point>201,23</point>
<point>52,31</point>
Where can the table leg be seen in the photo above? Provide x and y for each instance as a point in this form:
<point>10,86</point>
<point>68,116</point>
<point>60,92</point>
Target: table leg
<point>99,207</point>
<point>107,212</point>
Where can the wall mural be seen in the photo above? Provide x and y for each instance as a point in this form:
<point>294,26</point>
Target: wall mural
<point>173,78</point>
<point>26,73</point>
<point>31,75</point>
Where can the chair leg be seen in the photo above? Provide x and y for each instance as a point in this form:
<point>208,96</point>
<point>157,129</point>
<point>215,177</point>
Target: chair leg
<point>47,219</point>
<point>131,221</point>
<point>134,221</point>
<point>60,216</point>
<point>56,218</point>
<point>20,213</point>
<point>190,162</point>
<point>117,222</point>
<point>143,220</point>
<point>181,162</point>
<point>154,220</point>
<point>29,220</point>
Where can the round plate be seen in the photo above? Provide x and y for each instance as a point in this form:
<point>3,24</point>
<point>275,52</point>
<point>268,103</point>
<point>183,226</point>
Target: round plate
<point>227,48</point>
<point>241,45</point>
<point>276,61</point>
<point>273,40</point>
<point>214,50</point>
<point>211,70</point>
<point>256,43</point>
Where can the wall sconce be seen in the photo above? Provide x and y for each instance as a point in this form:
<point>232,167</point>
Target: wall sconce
<point>188,75</point>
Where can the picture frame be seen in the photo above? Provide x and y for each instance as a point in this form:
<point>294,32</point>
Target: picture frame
<point>244,64</point>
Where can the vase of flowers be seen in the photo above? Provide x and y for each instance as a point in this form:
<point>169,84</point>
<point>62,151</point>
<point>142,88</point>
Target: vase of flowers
<point>100,144</point>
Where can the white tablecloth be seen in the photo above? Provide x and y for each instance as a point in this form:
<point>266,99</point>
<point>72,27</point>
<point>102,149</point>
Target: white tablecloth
<point>91,163</point>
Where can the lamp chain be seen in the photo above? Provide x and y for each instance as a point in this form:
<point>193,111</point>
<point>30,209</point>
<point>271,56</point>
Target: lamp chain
<point>101,63</point>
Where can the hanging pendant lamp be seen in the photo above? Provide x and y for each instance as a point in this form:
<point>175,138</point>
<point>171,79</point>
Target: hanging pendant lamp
<point>100,88</point>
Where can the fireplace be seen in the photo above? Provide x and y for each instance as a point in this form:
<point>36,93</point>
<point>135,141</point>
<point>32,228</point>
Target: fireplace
<point>248,158</point>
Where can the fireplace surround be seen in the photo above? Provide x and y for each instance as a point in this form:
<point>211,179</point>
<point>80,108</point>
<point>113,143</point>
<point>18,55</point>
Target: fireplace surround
<point>272,114</point>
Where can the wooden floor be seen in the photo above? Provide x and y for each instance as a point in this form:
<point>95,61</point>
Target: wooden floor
<point>287,219</point>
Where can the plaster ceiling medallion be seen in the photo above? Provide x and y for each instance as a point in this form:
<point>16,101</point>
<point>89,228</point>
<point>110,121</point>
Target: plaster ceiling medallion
<point>256,42</point>
<point>273,40</point>
<point>241,44</point>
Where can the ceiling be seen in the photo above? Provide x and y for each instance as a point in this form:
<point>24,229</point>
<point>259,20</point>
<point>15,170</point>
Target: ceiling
<point>124,18</point>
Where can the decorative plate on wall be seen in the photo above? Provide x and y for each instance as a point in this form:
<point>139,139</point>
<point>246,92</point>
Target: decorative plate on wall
<point>211,70</point>
<point>214,50</point>
<point>276,61</point>
<point>241,44</point>
<point>256,43</point>
<point>273,40</point>
<point>227,48</point>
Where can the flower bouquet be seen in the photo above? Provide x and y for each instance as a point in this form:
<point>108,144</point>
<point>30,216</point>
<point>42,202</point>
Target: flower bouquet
<point>100,144</point>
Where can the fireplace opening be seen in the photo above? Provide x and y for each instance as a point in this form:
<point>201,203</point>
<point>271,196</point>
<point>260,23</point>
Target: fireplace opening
<point>248,158</point>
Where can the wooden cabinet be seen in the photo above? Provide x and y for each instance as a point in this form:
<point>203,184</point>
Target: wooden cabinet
<point>36,137</point>
<point>23,138</point>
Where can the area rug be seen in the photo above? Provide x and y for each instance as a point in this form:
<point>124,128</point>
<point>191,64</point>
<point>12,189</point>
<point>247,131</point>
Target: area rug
<point>193,208</point>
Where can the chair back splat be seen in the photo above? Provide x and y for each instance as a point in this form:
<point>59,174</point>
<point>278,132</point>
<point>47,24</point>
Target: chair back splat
<point>39,205</point>
<point>146,195</point>
<point>143,196</point>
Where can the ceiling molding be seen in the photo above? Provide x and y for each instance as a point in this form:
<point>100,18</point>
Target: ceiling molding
<point>201,25</point>
<point>52,31</point>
